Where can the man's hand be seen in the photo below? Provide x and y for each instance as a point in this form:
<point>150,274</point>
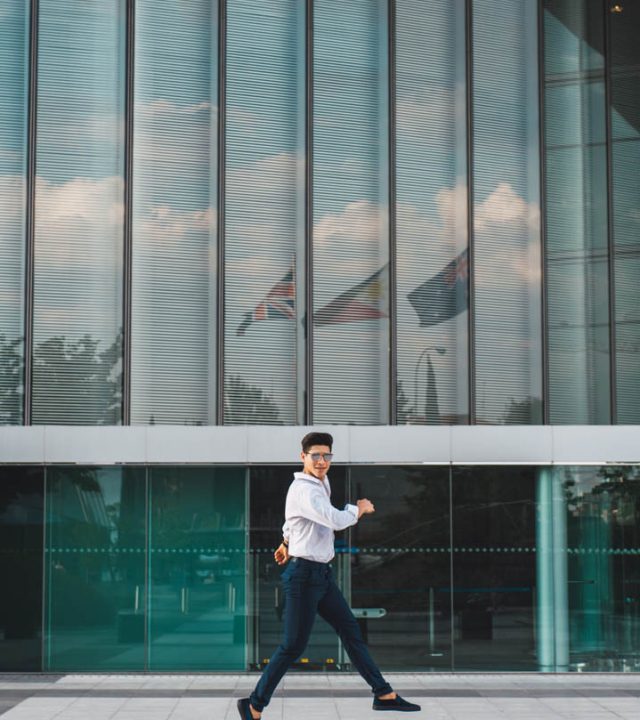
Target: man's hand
<point>281,554</point>
<point>365,507</point>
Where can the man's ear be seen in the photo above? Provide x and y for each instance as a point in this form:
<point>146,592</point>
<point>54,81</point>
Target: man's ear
<point>302,456</point>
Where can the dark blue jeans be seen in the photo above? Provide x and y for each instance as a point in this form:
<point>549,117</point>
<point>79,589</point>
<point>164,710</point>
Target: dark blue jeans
<point>309,588</point>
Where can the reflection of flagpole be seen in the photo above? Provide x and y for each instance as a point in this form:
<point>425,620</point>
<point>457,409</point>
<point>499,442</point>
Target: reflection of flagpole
<point>431,409</point>
<point>431,383</point>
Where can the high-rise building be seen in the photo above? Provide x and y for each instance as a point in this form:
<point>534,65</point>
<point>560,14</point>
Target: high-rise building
<point>412,223</point>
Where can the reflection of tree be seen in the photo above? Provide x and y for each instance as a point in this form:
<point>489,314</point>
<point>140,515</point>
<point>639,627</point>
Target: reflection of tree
<point>245,404</point>
<point>523,412</point>
<point>11,370</point>
<point>405,409</point>
<point>78,381</point>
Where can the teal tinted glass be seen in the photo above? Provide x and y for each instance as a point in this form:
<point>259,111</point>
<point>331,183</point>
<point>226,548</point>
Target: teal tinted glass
<point>197,569</point>
<point>597,558</point>
<point>95,568</point>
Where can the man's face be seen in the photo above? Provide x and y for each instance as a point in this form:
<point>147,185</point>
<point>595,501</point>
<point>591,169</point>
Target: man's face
<point>314,462</point>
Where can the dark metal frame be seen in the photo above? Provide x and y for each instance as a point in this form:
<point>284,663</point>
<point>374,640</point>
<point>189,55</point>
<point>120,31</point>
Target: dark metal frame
<point>308,260</point>
<point>30,202</point>
<point>222,116</point>
<point>610,223</point>
<point>470,213</point>
<point>543,217</point>
<point>128,210</point>
<point>393,305</point>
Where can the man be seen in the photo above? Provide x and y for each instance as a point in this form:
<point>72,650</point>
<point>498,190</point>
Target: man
<point>309,586</point>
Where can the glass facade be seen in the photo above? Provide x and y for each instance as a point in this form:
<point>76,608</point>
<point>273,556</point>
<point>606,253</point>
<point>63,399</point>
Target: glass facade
<point>285,212</point>
<point>170,568</point>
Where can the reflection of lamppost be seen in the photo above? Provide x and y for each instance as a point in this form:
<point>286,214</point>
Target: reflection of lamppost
<point>431,411</point>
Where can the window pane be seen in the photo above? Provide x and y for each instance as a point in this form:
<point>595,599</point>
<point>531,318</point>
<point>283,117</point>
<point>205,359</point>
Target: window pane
<point>173,341</point>
<point>350,209</point>
<point>21,525</point>
<point>431,188</point>
<point>197,569</point>
<point>625,158</point>
<point>269,488</point>
<point>95,572</point>
<point>14,68</point>
<point>506,269</point>
<point>601,507</point>
<point>576,207</point>
<point>264,214</point>
<point>78,215</point>
<point>494,567</point>
<point>401,566</point>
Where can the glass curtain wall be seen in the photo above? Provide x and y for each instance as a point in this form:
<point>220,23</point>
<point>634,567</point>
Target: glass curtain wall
<point>145,568</point>
<point>506,208</point>
<point>624,79</point>
<point>14,74</point>
<point>77,323</point>
<point>431,213</point>
<point>350,212</point>
<point>264,245</point>
<point>173,334</point>
<point>493,568</point>
<point>576,252</point>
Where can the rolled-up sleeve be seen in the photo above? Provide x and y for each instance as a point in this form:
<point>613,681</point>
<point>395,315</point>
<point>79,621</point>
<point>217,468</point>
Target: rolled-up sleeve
<point>313,506</point>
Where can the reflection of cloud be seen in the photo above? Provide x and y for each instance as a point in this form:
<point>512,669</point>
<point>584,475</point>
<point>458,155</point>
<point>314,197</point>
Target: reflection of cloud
<point>505,207</point>
<point>12,193</point>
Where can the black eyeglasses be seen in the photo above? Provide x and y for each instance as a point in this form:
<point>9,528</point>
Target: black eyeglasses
<point>327,457</point>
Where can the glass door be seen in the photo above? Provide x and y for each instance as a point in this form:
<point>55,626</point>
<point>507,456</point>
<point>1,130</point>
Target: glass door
<point>197,568</point>
<point>268,493</point>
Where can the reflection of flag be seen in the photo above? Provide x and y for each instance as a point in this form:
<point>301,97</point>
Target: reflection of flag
<point>368,300</point>
<point>279,303</point>
<point>444,295</point>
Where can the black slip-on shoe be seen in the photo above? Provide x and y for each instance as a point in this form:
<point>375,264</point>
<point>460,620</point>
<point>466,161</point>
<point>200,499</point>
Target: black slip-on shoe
<point>244,709</point>
<point>398,704</point>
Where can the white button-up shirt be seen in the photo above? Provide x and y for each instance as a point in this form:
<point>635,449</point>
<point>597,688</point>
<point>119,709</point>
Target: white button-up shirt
<point>310,518</point>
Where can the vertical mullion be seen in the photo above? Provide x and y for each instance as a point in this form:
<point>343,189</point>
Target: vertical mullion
<point>308,419</point>
<point>613,395</point>
<point>543,217</point>
<point>393,308</point>
<point>470,213</point>
<point>30,201</point>
<point>222,113</point>
<point>128,212</point>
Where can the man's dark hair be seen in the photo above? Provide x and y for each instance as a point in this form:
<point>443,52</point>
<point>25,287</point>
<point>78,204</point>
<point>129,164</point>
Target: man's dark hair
<point>316,438</point>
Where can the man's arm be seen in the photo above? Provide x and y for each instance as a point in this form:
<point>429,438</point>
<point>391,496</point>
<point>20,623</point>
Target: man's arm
<point>315,506</point>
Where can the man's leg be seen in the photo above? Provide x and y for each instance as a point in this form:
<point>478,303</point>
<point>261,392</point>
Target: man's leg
<point>336,611</point>
<point>301,600</point>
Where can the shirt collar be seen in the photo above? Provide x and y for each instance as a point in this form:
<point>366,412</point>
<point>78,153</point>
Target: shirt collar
<point>305,476</point>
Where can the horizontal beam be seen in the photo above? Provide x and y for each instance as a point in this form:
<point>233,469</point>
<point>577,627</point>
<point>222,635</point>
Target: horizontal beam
<point>415,445</point>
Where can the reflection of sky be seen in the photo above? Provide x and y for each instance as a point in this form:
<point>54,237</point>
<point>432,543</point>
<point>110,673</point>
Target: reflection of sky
<point>80,162</point>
